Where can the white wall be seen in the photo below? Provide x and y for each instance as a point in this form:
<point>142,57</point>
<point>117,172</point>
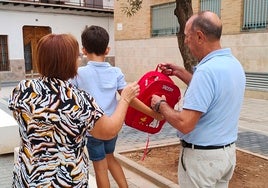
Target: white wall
<point>12,23</point>
<point>108,4</point>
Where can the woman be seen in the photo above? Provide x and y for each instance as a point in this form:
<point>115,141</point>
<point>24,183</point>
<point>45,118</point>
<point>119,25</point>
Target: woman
<point>54,116</point>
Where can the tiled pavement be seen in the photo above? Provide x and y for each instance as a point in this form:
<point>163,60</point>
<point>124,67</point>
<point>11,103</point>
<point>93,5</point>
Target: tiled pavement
<point>254,142</point>
<point>253,137</point>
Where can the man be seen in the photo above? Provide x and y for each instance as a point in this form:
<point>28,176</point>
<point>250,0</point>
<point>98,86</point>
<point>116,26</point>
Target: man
<point>208,122</point>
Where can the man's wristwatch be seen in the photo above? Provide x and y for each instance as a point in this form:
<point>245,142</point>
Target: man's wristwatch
<point>157,105</point>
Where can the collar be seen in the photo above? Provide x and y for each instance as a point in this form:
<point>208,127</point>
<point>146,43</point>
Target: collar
<point>99,64</point>
<point>220,52</point>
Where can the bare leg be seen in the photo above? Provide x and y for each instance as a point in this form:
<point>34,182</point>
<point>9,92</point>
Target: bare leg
<point>116,171</point>
<point>101,173</point>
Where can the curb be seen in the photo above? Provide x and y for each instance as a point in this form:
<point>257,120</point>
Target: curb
<point>251,153</point>
<point>151,176</point>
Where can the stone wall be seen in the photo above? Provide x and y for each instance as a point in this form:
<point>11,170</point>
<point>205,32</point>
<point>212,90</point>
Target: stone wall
<point>16,73</point>
<point>136,57</point>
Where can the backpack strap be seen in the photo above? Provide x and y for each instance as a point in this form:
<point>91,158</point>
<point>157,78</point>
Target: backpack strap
<point>146,147</point>
<point>157,67</point>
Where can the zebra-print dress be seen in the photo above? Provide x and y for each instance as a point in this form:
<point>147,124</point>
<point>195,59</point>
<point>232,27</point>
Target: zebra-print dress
<point>53,118</point>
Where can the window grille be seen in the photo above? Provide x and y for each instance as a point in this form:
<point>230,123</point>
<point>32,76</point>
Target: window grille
<point>164,22</point>
<point>4,63</point>
<point>255,14</point>
<point>211,5</point>
<point>257,80</point>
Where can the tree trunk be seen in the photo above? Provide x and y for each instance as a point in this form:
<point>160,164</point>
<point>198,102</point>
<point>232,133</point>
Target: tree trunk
<point>183,12</point>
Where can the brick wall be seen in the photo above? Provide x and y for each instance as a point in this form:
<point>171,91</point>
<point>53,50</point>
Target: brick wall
<point>139,25</point>
<point>231,16</point>
<point>136,52</point>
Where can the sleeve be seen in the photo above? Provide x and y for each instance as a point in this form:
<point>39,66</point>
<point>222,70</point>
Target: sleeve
<point>121,82</point>
<point>199,94</point>
<point>13,101</point>
<point>93,109</point>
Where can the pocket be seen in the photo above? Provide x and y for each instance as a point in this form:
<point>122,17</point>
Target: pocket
<point>182,160</point>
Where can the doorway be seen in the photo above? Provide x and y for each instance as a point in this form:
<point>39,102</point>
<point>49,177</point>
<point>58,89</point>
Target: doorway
<point>31,36</point>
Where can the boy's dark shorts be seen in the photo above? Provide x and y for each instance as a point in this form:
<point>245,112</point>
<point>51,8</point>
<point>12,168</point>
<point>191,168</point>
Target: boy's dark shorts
<point>97,149</point>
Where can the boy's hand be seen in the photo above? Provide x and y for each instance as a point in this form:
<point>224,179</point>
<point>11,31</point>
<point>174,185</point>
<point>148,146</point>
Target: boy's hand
<point>158,116</point>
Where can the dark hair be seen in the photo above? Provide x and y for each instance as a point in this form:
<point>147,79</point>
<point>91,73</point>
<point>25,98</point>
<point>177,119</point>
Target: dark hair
<point>207,26</point>
<point>95,39</point>
<point>57,55</point>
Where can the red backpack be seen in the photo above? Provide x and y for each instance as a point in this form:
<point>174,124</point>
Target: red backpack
<point>153,82</point>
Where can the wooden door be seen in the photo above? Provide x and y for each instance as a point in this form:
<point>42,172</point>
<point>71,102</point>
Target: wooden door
<point>31,36</point>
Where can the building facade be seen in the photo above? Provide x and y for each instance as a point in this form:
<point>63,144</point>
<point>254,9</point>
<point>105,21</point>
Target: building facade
<point>23,23</point>
<point>149,37</point>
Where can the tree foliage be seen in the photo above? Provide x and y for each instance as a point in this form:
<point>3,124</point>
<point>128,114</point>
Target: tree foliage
<point>130,7</point>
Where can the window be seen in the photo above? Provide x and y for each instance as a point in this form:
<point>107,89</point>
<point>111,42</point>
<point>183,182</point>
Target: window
<point>164,22</point>
<point>211,5</point>
<point>255,14</point>
<point>4,63</point>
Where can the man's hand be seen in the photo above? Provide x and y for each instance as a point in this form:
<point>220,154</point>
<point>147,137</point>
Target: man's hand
<point>156,100</point>
<point>170,69</point>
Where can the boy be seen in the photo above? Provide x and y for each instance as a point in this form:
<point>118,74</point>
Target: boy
<point>103,81</point>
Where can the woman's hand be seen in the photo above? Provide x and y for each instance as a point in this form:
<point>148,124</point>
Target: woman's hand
<point>108,127</point>
<point>131,91</point>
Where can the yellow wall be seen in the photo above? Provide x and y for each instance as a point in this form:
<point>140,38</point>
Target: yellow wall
<point>231,16</point>
<point>137,26</point>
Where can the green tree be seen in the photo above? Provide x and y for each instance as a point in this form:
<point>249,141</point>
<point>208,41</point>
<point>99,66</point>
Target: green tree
<point>182,11</point>
<point>130,7</point>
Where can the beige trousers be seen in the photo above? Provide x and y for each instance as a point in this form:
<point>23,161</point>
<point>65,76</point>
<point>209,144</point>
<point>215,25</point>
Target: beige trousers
<point>206,168</point>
